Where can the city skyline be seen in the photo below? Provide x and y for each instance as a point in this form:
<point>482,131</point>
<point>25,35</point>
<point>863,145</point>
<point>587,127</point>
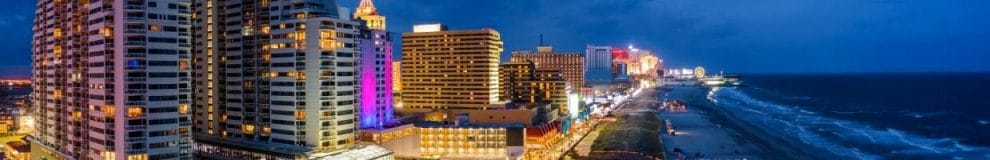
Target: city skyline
<point>608,79</point>
<point>720,36</point>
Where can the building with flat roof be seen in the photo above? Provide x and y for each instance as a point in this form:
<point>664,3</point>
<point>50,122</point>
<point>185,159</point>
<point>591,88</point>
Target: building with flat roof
<point>598,65</point>
<point>524,82</point>
<point>471,141</point>
<point>450,69</point>
<point>570,64</point>
<point>112,79</point>
<point>275,79</point>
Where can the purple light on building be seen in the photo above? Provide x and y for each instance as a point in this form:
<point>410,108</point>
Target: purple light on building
<point>376,79</point>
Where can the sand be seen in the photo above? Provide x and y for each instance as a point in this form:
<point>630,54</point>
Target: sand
<point>705,128</point>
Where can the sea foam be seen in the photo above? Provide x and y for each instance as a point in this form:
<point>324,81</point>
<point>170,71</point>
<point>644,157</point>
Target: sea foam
<point>849,138</point>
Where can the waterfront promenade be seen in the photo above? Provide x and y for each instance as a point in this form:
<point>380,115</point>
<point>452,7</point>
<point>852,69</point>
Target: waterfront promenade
<point>632,132</point>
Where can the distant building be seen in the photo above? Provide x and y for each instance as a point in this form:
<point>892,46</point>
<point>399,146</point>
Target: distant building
<point>523,82</point>
<point>396,76</point>
<point>16,150</point>
<point>570,64</point>
<point>396,84</point>
<point>450,69</point>
<point>619,71</point>
<point>598,65</point>
<point>9,120</point>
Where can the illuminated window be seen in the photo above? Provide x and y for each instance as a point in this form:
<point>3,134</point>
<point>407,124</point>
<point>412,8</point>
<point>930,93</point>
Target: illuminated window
<point>138,157</point>
<point>247,129</point>
<point>109,110</point>
<point>300,115</point>
<point>134,112</point>
<point>183,65</point>
<point>109,155</point>
<point>155,28</point>
<point>183,109</point>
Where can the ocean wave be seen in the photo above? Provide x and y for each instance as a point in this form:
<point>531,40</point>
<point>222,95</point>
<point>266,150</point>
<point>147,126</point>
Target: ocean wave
<point>838,136</point>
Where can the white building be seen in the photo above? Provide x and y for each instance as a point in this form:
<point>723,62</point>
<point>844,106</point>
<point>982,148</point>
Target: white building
<point>274,79</point>
<point>112,79</point>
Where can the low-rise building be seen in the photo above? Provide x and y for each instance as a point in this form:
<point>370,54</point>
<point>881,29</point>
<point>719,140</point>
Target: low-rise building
<point>9,120</point>
<point>16,150</point>
<point>441,140</point>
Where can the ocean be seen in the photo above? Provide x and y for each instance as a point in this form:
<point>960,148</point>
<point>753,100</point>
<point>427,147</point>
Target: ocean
<point>869,116</point>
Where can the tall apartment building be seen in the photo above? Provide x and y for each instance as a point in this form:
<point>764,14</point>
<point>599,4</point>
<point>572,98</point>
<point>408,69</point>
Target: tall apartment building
<point>274,79</point>
<point>111,79</point>
<point>524,82</point>
<point>598,65</point>
<point>450,69</point>
<point>571,64</point>
<point>375,68</point>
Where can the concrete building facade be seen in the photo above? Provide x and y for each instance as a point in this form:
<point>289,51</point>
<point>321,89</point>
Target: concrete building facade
<point>450,69</point>
<point>275,79</point>
<point>111,79</point>
<point>376,103</point>
<point>598,65</point>
<point>570,64</point>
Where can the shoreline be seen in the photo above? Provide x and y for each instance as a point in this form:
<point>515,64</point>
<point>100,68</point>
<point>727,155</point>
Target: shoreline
<point>719,126</point>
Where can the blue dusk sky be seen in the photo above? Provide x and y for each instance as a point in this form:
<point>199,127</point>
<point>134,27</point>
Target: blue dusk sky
<point>751,36</point>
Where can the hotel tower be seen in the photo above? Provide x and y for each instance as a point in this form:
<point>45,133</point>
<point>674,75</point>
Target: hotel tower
<point>112,79</point>
<point>570,64</point>
<point>450,69</point>
<point>274,79</point>
<point>598,65</point>
<point>375,68</point>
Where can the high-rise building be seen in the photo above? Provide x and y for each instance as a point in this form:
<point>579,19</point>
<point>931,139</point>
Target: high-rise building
<point>111,79</point>
<point>396,76</point>
<point>275,79</point>
<point>397,83</point>
<point>445,69</point>
<point>375,68</point>
<point>523,82</point>
<point>598,65</point>
<point>571,64</point>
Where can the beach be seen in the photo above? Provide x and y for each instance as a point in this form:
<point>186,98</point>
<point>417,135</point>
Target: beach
<point>705,131</point>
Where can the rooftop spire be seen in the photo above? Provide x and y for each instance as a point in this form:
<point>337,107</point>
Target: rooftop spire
<point>366,11</point>
<point>366,8</point>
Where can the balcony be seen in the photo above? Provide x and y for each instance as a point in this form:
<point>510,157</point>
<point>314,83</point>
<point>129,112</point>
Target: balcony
<point>135,91</point>
<point>135,103</point>
<point>134,7</point>
<point>135,43</point>
<point>136,79</point>
<point>135,139</point>
<point>135,19</point>
<point>135,31</point>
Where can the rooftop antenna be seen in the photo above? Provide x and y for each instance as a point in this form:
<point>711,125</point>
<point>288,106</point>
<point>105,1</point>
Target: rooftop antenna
<point>541,39</point>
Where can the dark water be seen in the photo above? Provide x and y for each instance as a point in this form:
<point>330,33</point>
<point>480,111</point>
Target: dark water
<point>888,116</point>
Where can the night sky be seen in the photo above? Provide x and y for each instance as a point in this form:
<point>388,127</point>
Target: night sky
<point>751,36</point>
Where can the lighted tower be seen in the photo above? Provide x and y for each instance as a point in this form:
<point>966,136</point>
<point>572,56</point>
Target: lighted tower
<point>375,68</point>
<point>366,11</point>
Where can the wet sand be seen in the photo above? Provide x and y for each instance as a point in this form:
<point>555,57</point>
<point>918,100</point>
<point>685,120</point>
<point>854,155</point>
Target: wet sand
<point>709,130</point>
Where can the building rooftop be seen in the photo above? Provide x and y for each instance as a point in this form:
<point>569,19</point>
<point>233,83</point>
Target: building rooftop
<point>363,152</point>
<point>256,145</point>
<point>434,124</point>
